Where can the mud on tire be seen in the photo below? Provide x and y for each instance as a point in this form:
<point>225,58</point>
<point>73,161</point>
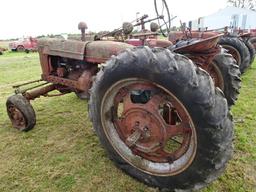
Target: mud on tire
<point>194,89</point>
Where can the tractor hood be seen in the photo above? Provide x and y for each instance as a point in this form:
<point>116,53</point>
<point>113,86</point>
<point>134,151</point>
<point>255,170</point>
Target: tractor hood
<point>101,51</point>
<point>63,48</point>
<point>94,52</point>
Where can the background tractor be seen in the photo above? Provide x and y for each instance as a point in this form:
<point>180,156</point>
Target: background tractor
<point>157,114</point>
<point>238,44</point>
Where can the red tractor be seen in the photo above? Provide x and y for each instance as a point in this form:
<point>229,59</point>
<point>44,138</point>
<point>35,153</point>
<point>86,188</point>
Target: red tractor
<point>157,114</point>
<point>238,44</point>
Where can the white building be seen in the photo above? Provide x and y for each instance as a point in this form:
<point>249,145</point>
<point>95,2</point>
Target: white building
<point>230,16</point>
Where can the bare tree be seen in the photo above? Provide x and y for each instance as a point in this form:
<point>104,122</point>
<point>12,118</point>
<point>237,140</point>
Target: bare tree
<point>249,4</point>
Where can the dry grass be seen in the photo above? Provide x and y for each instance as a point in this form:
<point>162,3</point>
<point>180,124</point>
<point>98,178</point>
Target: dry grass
<point>4,44</point>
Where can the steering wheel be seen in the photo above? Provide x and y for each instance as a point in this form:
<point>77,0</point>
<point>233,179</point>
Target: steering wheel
<point>163,16</point>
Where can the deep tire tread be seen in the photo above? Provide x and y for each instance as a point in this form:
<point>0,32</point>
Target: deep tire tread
<point>240,46</point>
<point>194,87</point>
<point>231,76</point>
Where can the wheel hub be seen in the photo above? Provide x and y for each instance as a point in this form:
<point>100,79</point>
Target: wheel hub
<point>148,121</point>
<point>142,130</point>
<point>16,117</point>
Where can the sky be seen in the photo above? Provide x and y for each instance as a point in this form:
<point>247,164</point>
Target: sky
<point>20,18</point>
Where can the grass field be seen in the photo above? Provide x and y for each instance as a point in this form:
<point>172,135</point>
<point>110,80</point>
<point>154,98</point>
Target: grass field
<point>62,153</point>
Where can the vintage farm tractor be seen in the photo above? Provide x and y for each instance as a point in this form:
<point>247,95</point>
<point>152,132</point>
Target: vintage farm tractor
<point>157,114</point>
<point>238,44</point>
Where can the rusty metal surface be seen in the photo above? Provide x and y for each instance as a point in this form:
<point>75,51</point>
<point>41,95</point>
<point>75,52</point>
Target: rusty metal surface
<point>153,133</point>
<point>63,48</point>
<point>27,83</point>
<point>179,35</point>
<point>158,43</point>
<point>200,46</point>
<point>245,35</point>
<point>101,51</point>
<point>61,81</point>
<point>85,80</point>
<point>149,42</point>
<point>79,80</point>
<point>38,92</point>
<point>16,117</point>
<point>145,130</point>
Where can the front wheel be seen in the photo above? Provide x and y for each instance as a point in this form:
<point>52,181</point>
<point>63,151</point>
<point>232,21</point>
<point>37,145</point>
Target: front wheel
<point>21,113</point>
<point>20,48</point>
<point>161,120</point>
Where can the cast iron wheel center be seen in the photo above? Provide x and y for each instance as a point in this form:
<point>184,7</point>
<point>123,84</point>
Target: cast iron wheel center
<point>142,131</point>
<point>16,117</point>
<point>148,126</point>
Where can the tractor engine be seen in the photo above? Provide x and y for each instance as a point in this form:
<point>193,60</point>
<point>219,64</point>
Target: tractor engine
<point>70,64</point>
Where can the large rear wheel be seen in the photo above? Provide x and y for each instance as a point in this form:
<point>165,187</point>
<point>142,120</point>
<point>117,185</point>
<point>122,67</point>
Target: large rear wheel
<point>226,75</point>
<point>238,50</point>
<point>253,42</point>
<point>251,49</point>
<point>161,120</point>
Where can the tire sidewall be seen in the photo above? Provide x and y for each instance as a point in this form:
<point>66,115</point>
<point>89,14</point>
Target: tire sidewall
<point>145,69</point>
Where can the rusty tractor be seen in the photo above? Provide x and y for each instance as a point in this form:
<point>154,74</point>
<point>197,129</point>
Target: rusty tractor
<point>204,52</point>
<point>157,114</point>
<point>238,44</point>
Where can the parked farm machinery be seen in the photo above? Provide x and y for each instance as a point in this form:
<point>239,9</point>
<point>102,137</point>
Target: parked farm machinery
<point>239,44</point>
<point>155,109</point>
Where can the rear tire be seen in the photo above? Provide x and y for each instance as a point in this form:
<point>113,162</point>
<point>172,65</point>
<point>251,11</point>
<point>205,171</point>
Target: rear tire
<point>21,113</point>
<point>253,42</point>
<point>238,50</point>
<point>194,89</point>
<point>251,49</point>
<point>231,76</point>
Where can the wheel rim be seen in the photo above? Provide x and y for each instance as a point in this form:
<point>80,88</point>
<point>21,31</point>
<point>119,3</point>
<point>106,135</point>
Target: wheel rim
<point>17,118</point>
<point>216,75</point>
<point>234,52</point>
<point>148,127</point>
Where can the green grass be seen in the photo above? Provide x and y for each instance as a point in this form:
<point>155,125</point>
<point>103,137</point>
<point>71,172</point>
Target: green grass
<point>62,153</point>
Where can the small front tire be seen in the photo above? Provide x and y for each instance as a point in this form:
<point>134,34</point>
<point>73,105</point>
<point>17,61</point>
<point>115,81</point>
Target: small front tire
<point>21,113</point>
